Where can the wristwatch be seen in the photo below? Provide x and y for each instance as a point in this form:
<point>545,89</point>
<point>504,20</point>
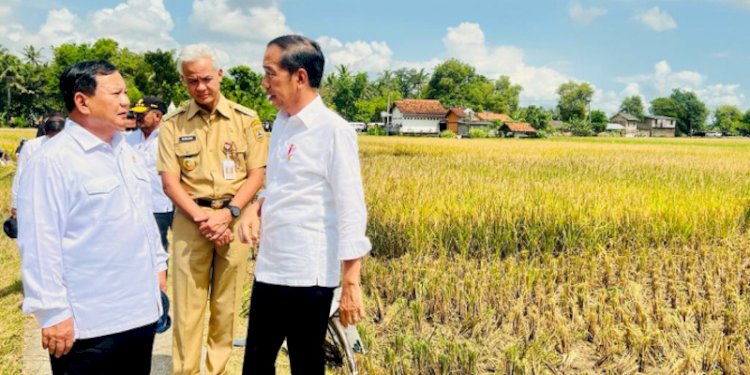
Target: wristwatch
<point>234,210</point>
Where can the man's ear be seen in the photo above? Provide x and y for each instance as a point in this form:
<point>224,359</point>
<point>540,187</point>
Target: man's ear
<point>158,115</point>
<point>220,73</point>
<point>82,103</point>
<point>302,78</point>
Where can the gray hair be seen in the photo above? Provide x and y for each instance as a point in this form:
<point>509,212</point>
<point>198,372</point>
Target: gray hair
<point>195,52</point>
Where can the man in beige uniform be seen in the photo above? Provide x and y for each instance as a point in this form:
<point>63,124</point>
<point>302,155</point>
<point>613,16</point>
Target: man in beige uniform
<point>212,157</point>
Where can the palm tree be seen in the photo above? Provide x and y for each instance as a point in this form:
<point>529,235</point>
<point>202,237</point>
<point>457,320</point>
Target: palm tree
<point>32,55</point>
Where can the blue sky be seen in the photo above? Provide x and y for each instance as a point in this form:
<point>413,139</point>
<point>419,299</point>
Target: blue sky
<point>622,47</point>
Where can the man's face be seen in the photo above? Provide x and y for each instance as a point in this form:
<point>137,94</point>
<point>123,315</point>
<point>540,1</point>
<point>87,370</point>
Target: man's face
<point>280,85</point>
<point>148,120</point>
<point>109,104</point>
<point>202,80</point>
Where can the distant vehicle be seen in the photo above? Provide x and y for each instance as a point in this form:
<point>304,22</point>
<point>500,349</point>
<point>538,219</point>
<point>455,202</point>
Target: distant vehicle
<point>358,126</point>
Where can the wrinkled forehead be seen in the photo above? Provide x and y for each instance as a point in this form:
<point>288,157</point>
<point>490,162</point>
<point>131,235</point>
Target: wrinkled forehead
<point>199,68</point>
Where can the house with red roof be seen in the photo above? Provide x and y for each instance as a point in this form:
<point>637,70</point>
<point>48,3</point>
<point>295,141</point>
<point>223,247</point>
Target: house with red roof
<point>417,117</point>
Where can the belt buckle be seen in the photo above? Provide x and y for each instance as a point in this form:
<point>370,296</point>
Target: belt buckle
<point>217,204</point>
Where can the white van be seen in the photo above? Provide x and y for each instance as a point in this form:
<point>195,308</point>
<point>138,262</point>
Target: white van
<point>358,126</point>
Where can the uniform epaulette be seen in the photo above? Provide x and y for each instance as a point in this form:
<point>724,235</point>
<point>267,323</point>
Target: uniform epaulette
<point>244,110</point>
<point>174,113</point>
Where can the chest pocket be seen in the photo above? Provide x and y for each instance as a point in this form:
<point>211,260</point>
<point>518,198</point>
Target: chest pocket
<point>189,155</point>
<point>103,200</point>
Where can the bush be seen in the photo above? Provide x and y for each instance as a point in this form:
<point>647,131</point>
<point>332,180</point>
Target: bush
<point>376,130</point>
<point>447,134</point>
<point>581,128</point>
<point>478,133</point>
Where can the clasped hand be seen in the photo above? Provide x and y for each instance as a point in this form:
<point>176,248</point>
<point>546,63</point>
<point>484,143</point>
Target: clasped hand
<point>215,227</point>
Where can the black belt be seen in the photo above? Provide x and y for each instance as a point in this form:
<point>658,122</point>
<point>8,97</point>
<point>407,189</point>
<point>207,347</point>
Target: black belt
<point>213,203</point>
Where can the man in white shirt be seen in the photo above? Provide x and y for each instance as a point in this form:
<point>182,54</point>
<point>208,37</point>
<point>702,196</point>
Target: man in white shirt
<point>145,140</point>
<point>313,217</point>
<point>52,126</point>
<point>92,264</point>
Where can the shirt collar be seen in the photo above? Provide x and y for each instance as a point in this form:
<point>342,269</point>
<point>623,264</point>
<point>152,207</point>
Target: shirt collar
<point>309,113</point>
<point>87,140</point>
<point>153,134</point>
<point>222,108</point>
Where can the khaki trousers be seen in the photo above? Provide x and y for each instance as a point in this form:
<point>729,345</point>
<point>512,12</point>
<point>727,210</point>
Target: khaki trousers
<point>204,274</point>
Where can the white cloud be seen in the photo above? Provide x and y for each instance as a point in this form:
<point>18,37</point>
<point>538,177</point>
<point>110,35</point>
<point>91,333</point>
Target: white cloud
<point>135,24</point>
<point>657,19</point>
<point>610,101</point>
<point>358,55</point>
<point>663,80</point>
<point>721,94</point>
<point>721,55</point>
<point>583,15</point>
<point>243,21</point>
<point>138,24</point>
<point>740,3</point>
<point>466,42</point>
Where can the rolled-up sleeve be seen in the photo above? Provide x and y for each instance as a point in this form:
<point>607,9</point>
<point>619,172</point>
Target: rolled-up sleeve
<point>41,222</point>
<point>346,184</point>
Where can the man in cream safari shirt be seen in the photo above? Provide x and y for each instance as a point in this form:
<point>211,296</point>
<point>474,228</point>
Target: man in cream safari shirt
<point>212,158</point>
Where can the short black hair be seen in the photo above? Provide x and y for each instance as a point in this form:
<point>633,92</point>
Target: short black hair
<point>54,124</point>
<point>300,52</point>
<point>81,77</point>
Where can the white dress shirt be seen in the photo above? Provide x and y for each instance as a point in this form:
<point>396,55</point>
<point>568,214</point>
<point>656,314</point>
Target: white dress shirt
<point>314,214</point>
<point>90,247</point>
<point>149,149</point>
<point>29,148</point>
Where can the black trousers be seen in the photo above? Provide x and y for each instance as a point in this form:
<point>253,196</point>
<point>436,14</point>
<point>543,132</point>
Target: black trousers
<point>297,314</point>
<point>126,352</point>
<point>164,222</point>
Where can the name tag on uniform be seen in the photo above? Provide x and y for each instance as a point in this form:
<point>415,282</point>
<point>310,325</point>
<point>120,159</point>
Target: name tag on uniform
<point>229,169</point>
<point>187,138</point>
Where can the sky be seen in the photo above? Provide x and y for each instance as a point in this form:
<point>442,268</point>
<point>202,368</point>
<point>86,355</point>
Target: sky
<point>621,47</point>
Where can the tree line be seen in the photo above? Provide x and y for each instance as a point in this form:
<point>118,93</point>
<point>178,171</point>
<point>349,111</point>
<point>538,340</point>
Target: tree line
<point>28,89</point>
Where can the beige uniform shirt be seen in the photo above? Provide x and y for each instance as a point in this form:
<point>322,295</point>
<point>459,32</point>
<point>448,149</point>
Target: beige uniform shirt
<point>196,144</point>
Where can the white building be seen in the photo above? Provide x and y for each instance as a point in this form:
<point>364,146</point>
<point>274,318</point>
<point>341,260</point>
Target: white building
<point>417,117</point>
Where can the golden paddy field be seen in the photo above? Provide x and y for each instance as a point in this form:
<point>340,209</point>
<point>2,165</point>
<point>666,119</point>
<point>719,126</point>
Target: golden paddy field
<point>563,255</point>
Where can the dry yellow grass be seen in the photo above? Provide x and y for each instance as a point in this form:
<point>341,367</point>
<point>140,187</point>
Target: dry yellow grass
<point>11,318</point>
<point>557,256</point>
<point>541,256</point>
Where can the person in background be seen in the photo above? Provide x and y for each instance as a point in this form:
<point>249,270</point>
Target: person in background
<point>92,264</point>
<point>145,141</point>
<point>53,125</point>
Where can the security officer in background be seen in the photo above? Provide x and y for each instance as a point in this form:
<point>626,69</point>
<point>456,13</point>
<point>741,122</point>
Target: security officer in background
<point>149,111</point>
<point>212,157</point>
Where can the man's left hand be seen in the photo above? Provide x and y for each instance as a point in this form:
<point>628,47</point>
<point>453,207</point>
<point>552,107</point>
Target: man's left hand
<point>351,309</point>
<point>217,223</point>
